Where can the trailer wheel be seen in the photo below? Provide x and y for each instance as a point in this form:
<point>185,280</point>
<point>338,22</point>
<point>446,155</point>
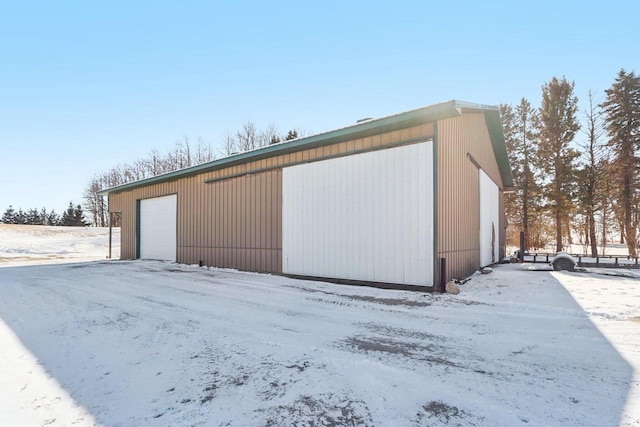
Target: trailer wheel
<point>563,264</point>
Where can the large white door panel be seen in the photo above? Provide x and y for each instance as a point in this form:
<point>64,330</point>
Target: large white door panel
<point>362,217</point>
<point>489,220</point>
<point>158,222</point>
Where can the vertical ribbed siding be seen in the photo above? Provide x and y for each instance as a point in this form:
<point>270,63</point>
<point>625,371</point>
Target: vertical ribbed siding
<point>237,222</point>
<point>458,190</point>
<point>232,223</point>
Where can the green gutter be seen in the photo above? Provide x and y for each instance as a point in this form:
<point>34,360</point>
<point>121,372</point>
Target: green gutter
<point>494,125</point>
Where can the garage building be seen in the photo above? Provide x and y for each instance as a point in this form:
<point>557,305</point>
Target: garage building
<point>381,202</point>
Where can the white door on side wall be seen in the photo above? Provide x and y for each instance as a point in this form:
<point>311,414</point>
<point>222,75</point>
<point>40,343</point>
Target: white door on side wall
<point>489,220</point>
<point>365,217</point>
<point>158,228</point>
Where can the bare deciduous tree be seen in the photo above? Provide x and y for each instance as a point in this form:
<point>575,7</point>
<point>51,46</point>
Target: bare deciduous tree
<point>590,175</point>
<point>247,138</point>
<point>182,155</point>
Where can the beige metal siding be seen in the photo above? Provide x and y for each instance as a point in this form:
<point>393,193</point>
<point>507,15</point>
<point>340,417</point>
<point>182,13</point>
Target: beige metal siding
<point>236,222</point>
<point>233,223</point>
<point>458,190</point>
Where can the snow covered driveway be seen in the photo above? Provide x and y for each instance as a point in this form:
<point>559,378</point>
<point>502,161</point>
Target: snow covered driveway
<point>148,343</point>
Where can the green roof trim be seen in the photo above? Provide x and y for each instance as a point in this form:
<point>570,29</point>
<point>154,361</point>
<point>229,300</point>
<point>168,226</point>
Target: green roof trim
<point>416,117</point>
<point>494,124</point>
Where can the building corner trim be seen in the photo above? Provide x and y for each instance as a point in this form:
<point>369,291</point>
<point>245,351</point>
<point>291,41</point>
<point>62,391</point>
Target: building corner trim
<point>138,229</point>
<point>436,260</point>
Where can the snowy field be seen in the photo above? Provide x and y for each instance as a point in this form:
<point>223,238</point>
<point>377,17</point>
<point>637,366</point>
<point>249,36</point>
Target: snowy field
<point>135,343</point>
<point>38,244</point>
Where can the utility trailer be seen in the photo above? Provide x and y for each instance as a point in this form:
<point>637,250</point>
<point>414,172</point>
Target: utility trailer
<point>566,261</point>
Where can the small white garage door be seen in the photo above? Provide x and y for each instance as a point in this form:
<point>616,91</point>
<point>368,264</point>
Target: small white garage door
<point>362,217</point>
<point>489,220</point>
<point>158,221</point>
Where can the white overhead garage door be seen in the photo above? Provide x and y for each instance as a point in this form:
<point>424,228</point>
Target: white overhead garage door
<point>489,220</point>
<point>158,221</point>
<point>362,217</point>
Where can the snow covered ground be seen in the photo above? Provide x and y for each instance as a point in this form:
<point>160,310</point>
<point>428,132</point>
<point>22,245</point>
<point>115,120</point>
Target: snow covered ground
<point>129,343</point>
<point>37,244</point>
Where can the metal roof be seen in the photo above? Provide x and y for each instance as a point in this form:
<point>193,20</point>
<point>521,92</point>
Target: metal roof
<point>407,119</point>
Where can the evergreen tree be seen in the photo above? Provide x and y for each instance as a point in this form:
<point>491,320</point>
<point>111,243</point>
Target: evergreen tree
<point>511,206</point>
<point>555,154</point>
<point>521,128</point>
<point>43,216</point>
<point>293,134</point>
<point>53,218</point>
<point>78,217</point>
<point>33,217</point>
<point>275,139</point>
<point>622,121</point>
<point>73,216</point>
<point>67,216</point>
<point>21,217</point>
<point>9,216</point>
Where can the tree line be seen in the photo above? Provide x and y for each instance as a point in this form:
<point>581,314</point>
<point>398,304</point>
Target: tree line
<point>575,172</point>
<point>73,216</point>
<point>183,154</point>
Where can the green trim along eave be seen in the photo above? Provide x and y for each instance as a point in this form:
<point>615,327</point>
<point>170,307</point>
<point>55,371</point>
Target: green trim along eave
<point>494,125</point>
<point>404,120</point>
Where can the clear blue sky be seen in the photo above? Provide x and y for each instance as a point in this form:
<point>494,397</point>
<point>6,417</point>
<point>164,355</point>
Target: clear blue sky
<point>87,85</point>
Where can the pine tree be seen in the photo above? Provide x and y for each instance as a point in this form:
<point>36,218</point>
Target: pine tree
<point>53,218</point>
<point>622,121</point>
<point>511,205</point>
<point>33,217</point>
<point>9,216</point>
<point>521,129</point>
<point>43,216</point>
<point>21,217</point>
<point>68,216</point>
<point>293,134</point>
<point>78,217</point>
<point>275,139</point>
<point>555,154</point>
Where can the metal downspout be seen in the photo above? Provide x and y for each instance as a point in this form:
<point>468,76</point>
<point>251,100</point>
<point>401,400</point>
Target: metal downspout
<point>436,260</point>
<point>110,233</point>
